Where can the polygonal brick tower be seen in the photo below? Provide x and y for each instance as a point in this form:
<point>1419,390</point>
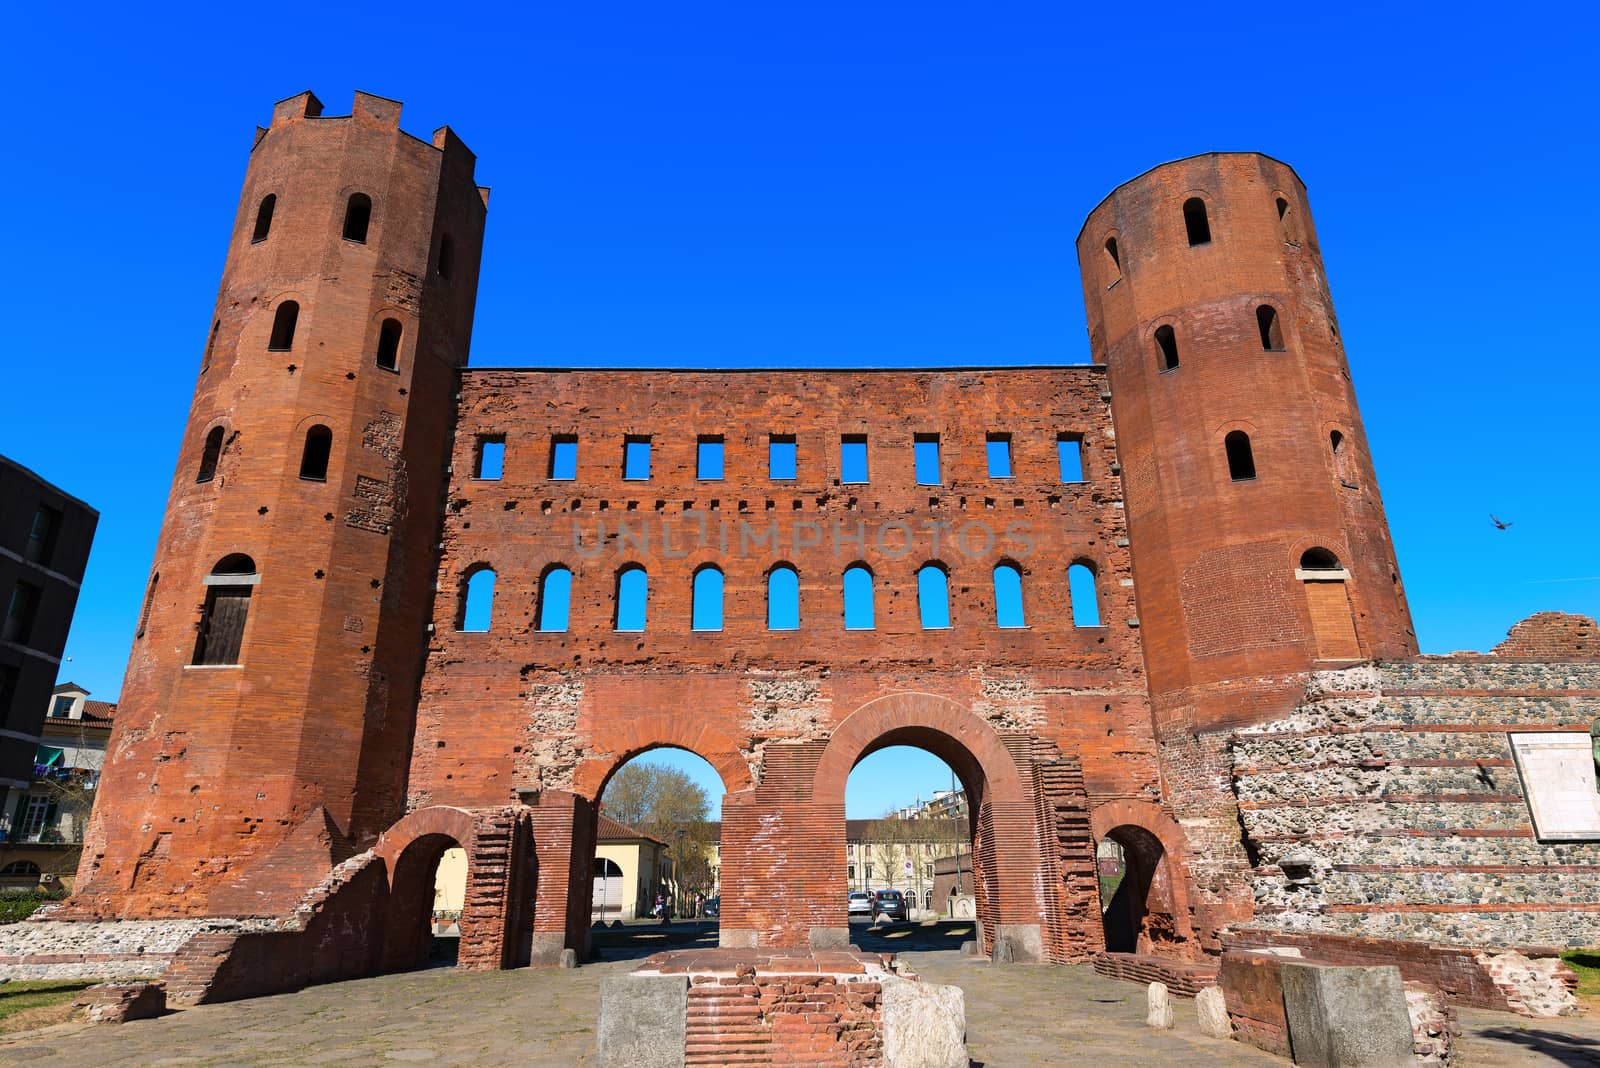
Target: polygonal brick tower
<point>266,721</point>
<point>1258,536</point>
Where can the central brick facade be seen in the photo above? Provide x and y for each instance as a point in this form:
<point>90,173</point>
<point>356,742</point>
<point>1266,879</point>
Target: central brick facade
<point>318,706</point>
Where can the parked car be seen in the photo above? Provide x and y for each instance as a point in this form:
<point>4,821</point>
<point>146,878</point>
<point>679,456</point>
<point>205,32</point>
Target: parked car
<point>712,907</point>
<point>890,904</point>
<point>860,903</point>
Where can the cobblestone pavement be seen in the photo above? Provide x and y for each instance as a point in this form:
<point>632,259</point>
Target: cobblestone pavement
<point>1022,1015</point>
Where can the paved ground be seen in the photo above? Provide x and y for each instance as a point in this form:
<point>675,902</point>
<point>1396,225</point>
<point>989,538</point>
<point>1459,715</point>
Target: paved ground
<point>1017,1015</point>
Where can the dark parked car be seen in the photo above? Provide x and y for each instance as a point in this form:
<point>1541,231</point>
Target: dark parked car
<point>889,904</point>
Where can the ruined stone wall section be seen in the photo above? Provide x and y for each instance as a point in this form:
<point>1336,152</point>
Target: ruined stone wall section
<point>1389,805</point>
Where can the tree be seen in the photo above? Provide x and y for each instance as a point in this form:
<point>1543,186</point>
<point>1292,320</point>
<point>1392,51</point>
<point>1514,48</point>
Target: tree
<point>665,803</point>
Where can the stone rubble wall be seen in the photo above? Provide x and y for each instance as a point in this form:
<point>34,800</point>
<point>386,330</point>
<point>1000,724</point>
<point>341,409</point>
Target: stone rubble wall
<point>125,949</point>
<point>1389,805</point>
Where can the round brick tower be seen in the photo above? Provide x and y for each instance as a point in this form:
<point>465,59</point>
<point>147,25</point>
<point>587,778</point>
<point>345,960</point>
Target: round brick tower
<point>265,724</point>
<point>1259,544</point>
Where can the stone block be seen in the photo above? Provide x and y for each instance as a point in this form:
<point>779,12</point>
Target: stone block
<point>569,958</point>
<point>1212,1007</point>
<point>924,1025</point>
<point>1025,940</point>
<point>736,938</point>
<point>643,1021</point>
<point>1158,1003</point>
<point>830,937</point>
<point>1342,1017</point>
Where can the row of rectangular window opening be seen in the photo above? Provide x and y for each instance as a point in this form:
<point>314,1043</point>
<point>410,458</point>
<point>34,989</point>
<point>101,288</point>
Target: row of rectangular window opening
<point>1267,324</point>
<point>357,221</point>
<point>782,457</point>
<point>554,600</point>
<point>287,318</point>
<point>1197,228</point>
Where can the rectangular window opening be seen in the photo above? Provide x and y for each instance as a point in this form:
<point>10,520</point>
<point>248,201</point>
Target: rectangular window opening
<point>42,535</point>
<point>708,458</point>
<point>563,457</point>
<point>998,449</point>
<point>21,612</point>
<point>783,457</point>
<point>1069,447</point>
<point>925,450</point>
<point>853,458</point>
<point>636,458</point>
<point>491,457</point>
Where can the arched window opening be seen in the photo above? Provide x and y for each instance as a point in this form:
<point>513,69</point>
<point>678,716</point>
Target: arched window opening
<point>1196,222</point>
<point>1283,209</point>
<point>1271,331</point>
<point>1008,596</point>
<point>209,455</point>
<point>707,609</point>
<point>447,256</point>
<point>1333,627</point>
<point>477,601</point>
<point>1166,348</point>
<point>283,324</point>
<point>357,217</point>
<point>389,344</point>
<point>1115,256</point>
<point>783,598</point>
<point>1085,595</point>
<point>858,607</point>
<point>20,868</point>
<point>211,346</point>
<point>633,597</point>
<point>1241,460</point>
<point>221,631</point>
<point>555,598</point>
<point>1336,440</point>
<point>933,597</point>
<point>1319,559</point>
<point>149,599</point>
<point>264,218</point>
<point>314,458</point>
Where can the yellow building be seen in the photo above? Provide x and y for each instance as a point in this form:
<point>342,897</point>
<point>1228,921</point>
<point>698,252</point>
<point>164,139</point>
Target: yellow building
<point>630,869</point>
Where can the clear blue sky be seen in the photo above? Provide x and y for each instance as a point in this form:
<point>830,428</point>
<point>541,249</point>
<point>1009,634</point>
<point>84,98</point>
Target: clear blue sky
<point>845,184</point>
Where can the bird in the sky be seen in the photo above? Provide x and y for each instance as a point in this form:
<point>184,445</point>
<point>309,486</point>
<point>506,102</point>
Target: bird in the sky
<point>1499,524</point>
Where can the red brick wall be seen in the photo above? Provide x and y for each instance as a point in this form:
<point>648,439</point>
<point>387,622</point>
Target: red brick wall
<point>1552,636</point>
<point>212,769</point>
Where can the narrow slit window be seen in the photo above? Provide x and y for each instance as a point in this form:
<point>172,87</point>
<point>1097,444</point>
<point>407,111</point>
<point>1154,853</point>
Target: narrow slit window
<point>491,458</point>
<point>783,599</point>
<point>1271,329</point>
<point>314,457</point>
<point>149,599</point>
<point>264,218</point>
<point>708,458</point>
<point>636,459</point>
<point>853,458</point>
<point>933,597</point>
<point>1008,597</point>
<point>563,457</point>
<point>925,457</point>
<point>209,455</point>
<point>447,256</point>
<point>41,547</point>
<point>1341,457</point>
<point>211,346</point>
<point>357,217</point>
<point>477,601</point>
<point>1241,458</point>
<point>389,344</point>
<point>1166,348</point>
<point>1115,258</point>
<point>782,457</point>
<point>283,324</point>
<point>633,598</point>
<point>555,599</point>
<point>1069,451</point>
<point>1195,221</point>
<point>707,609</point>
<point>998,452</point>
<point>1082,588</point>
<point>858,608</point>
<point>220,636</point>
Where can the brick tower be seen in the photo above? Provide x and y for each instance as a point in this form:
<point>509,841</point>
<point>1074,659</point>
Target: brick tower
<point>1258,536</point>
<point>265,726</point>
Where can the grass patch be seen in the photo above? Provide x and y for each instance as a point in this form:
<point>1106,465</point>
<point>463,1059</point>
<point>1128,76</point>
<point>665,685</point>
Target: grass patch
<point>18,905</point>
<point>20,999</point>
<point>1586,962</point>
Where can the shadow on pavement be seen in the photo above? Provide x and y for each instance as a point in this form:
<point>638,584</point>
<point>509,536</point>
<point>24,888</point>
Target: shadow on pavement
<point>1561,1048</point>
<point>637,941</point>
<point>924,936</point>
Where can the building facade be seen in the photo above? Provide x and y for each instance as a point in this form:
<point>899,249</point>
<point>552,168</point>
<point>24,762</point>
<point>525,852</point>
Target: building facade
<point>402,606</point>
<point>45,536</point>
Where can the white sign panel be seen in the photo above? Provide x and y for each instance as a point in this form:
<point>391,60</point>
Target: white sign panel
<point>1557,769</point>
